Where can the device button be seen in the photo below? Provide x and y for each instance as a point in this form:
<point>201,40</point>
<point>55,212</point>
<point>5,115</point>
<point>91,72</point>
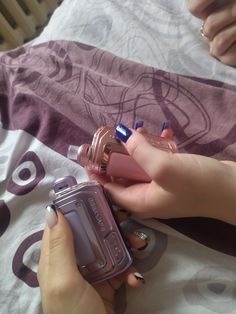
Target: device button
<point>115,246</point>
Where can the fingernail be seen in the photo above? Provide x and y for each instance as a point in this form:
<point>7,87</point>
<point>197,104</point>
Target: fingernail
<point>139,277</point>
<point>138,124</point>
<point>166,125</point>
<point>51,216</point>
<point>123,133</point>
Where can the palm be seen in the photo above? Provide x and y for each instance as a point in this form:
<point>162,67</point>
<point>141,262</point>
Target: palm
<point>183,185</point>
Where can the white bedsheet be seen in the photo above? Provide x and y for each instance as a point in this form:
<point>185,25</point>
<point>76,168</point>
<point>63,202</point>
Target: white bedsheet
<point>159,33</point>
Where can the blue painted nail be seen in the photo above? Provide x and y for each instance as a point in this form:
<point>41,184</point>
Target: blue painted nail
<point>122,132</point>
<point>166,125</point>
<point>138,124</point>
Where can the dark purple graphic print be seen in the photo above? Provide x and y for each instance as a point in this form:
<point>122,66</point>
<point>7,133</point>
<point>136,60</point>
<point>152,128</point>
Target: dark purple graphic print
<point>193,118</point>
<point>27,174</point>
<point>21,270</point>
<point>5,216</point>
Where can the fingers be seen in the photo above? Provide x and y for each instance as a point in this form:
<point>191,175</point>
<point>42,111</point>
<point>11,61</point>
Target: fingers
<point>228,57</point>
<point>141,141</point>
<point>135,279</point>
<point>167,131</point>
<point>128,197</point>
<point>131,276</point>
<point>62,288</point>
<point>101,178</point>
<point>219,19</point>
<point>145,200</point>
<point>200,8</point>
<point>138,240</point>
<point>219,27</point>
<point>157,163</point>
<point>107,289</point>
<point>223,41</point>
<point>142,130</point>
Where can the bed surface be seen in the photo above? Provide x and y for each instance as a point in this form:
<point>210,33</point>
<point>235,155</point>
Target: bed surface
<point>58,93</point>
<point>157,33</point>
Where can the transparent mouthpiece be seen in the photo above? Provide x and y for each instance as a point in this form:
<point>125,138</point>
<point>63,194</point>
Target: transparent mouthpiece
<point>72,152</point>
<point>79,154</point>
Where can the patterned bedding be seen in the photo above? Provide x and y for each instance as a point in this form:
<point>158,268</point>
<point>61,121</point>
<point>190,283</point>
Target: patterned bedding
<point>158,33</point>
<point>58,93</point>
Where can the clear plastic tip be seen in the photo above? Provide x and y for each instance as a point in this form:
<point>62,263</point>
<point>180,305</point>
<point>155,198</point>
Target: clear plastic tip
<point>72,152</point>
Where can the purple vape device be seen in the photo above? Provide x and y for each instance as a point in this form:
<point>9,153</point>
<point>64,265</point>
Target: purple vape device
<point>99,247</point>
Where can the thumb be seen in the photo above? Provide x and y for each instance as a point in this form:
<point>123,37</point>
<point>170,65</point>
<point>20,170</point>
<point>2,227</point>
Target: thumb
<point>158,164</point>
<point>57,248</point>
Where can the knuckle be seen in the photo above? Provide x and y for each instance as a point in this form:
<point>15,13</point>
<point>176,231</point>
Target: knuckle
<point>163,173</point>
<point>191,7</point>
<point>209,27</point>
<point>194,7</point>
<point>54,243</point>
<point>217,46</point>
<point>220,40</point>
<point>199,8</point>
<point>228,60</point>
<point>133,145</point>
<point>58,239</point>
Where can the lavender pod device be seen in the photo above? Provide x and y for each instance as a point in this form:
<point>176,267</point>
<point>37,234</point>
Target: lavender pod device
<point>100,250</point>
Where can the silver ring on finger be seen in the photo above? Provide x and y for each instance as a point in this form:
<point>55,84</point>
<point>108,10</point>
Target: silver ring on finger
<point>202,30</point>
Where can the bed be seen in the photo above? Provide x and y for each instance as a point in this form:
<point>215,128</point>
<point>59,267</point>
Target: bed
<point>104,62</point>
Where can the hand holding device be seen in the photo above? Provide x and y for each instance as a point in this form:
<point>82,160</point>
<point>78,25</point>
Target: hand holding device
<point>100,249</point>
<point>62,288</point>
<point>183,185</point>
<point>107,155</point>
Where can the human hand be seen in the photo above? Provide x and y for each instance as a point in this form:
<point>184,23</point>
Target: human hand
<point>219,27</point>
<point>63,289</point>
<point>183,185</point>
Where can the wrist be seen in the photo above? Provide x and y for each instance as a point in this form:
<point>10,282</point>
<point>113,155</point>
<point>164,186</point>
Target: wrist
<point>226,209</point>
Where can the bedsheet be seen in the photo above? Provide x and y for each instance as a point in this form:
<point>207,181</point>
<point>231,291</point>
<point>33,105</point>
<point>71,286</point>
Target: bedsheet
<point>159,33</point>
<point>58,93</point>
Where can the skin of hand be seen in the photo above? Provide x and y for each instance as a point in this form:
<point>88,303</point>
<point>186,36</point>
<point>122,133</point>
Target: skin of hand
<point>219,26</point>
<point>63,289</point>
<point>183,185</point>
